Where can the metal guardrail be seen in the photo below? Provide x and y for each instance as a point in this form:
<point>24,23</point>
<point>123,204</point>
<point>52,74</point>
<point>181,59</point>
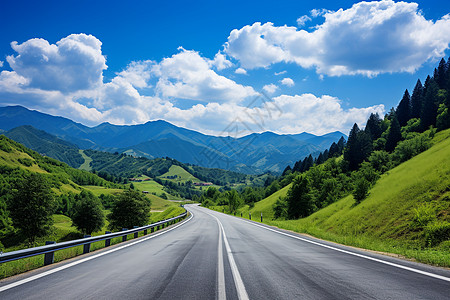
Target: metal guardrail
<point>51,247</point>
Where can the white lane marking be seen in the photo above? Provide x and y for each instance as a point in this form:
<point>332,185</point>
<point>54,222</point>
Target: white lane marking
<point>49,272</point>
<point>240,287</point>
<point>356,254</point>
<point>222,295</point>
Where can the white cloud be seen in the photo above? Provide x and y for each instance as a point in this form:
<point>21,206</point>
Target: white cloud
<point>319,12</point>
<point>187,75</point>
<point>302,20</point>
<point>369,38</point>
<point>287,81</point>
<point>240,71</point>
<point>270,88</point>
<point>73,63</point>
<point>129,98</point>
<point>1,64</point>
<point>280,73</point>
<point>220,62</point>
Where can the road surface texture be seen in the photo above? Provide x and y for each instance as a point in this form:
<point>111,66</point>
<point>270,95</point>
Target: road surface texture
<point>216,256</point>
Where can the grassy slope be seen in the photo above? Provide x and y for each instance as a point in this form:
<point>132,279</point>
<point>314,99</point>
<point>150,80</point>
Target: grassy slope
<point>383,221</point>
<point>182,174</point>
<point>87,162</point>
<point>265,206</point>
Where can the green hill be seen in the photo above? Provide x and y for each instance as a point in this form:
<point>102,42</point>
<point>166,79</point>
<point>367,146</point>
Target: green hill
<point>407,211</point>
<point>46,144</point>
<point>178,174</point>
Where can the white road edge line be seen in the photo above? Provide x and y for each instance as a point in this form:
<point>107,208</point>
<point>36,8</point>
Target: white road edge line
<point>240,287</point>
<point>49,272</point>
<point>222,295</point>
<point>356,254</point>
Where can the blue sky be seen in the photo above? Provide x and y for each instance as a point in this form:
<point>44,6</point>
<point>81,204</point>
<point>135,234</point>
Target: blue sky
<point>198,64</point>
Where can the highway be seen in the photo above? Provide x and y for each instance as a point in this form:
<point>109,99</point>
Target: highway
<point>216,256</point>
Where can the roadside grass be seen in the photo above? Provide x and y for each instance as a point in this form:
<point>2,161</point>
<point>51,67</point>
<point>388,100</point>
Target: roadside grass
<point>386,220</point>
<point>86,165</point>
<point>63,228</point>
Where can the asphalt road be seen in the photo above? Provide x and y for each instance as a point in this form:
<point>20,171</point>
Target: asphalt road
<point>216,256</point>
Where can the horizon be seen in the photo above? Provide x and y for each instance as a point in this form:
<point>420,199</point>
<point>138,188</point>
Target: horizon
<point>160,120</point>
<point>219,68</point>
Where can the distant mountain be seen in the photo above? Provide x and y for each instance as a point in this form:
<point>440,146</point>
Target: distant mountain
<point>254,153</point>
<point>46,144</point>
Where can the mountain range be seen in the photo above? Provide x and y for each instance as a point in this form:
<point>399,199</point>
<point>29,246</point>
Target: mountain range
<point>254,153</point>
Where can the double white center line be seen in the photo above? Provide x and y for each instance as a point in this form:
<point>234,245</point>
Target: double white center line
<point>240,287</point>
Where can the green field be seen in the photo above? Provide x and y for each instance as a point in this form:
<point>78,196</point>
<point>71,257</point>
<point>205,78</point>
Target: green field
<point>87,162</point>
<point>182,175</point>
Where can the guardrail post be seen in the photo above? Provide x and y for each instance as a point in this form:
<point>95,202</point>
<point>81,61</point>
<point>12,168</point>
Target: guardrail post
<point>250,215</point>
<point>145,231</point>
<point>87,247</point>
<point>107,241</point>
<point>136,234</point>
<point>49,257</point>
<point>124,237</point>
<point>152,229</point>
<point>241,214</point>
<point>261,217</point>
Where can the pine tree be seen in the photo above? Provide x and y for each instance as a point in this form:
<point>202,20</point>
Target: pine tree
<point>320,159</point>
<point>309,163</point>
<point>417,100</point>
<point>350,152</point>
<point>403,109</point>
<point>373,126</point>
<point>334,150</point>
<point>429,109</point>
<point>341,145</point>
<point>394,135</point>
<point>440,74</point>
<point>286,170</point>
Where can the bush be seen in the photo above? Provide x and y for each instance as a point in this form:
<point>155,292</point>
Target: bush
<point>87,213</point>
<point>130,209</point>
<point>423,215</point>
<point>405,150</point>
<point>361,190</point>
<point>280,209</point>
<point>437,232</point>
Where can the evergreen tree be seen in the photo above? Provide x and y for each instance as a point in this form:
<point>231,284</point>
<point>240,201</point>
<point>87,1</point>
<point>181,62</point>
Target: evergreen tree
<point>429,109</point>
<point>417,100</point>
<point>299,200</point>
<point>87,214</point>
<point>403,109</point>
<point>31,207</point>
<point>297,166</point>
<point>373,126</point>
<point>341,145</point>
<point>358,148</point>
<point>394,135</point>
<point>320,159</point>
<point>286,170</point>
<point>325,154</point>
<point>334,150</point>
<point>309,162</point>
<point>441,74</point>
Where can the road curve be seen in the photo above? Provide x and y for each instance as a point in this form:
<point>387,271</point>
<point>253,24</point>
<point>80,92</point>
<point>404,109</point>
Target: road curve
<point>216,256</point>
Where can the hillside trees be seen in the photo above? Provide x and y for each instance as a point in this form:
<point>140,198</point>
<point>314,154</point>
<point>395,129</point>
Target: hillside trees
<point>31,206</point>
<point>87,213</point>
<point>131,208</point>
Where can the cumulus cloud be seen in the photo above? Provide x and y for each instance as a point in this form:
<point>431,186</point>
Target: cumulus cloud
<point>270,88</point>
<point>187,75</point>
<point>287,81</point>
<point>129,98</point>
<point>73,63</point>
<point>302,20</point>
<point>220,62</point>
<point>1,64</point>
<point>240,71</point>
<point>319,12</point>
<point>369,38</point>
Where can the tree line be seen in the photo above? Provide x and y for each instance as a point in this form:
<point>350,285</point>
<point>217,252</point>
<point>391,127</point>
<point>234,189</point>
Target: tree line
<point>353,166</point>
